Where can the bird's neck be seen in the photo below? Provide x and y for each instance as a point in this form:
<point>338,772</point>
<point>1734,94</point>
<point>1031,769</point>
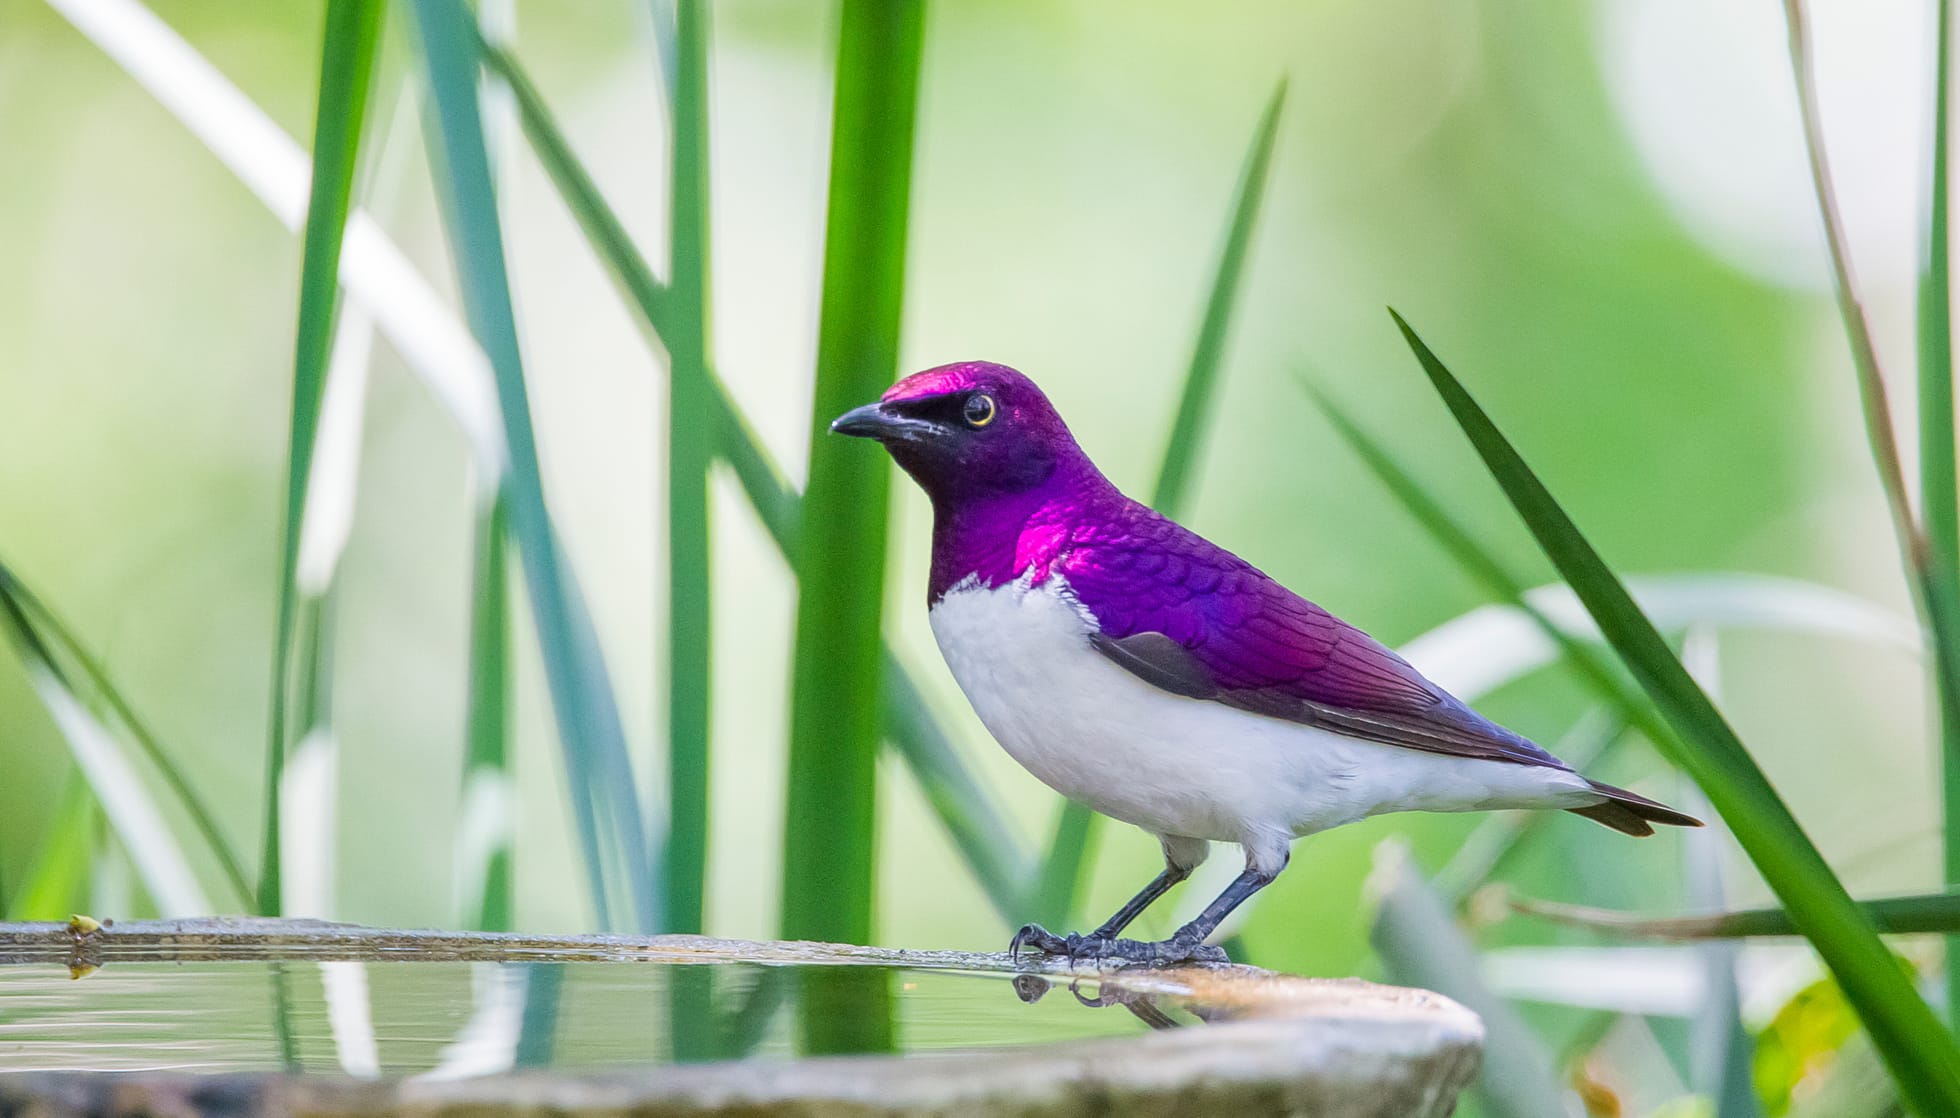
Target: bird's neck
<point>997,538</point>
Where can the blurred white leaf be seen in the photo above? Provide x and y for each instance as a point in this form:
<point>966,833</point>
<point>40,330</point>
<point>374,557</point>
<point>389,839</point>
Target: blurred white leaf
<point>1667,980</point>
<point>159,861</point>
<point>422,328</point>
<point>1493,645</point>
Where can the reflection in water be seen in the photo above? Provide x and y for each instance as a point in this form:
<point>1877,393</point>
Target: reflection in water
<point>845,1010</point>
<point>454,1019</point>
<point>1147,1008</point>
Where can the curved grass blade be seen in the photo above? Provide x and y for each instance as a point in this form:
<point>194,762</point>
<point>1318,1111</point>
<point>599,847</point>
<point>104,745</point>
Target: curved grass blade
<point>353,29</point>
<point>690,453</point>
<point>594,743</point>
<point>45,630</point>
<point>134,816</point>
<point>1922,914</point>
<point>1919,1051</point>
<point>835,726</point>
<point>1058,889</point>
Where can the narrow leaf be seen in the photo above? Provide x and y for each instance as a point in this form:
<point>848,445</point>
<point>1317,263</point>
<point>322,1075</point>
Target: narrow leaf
<point>55,642</point>
<point>135,817</point>
<point>1917,1049</point>
<point>594,744</point>
<point>691,415</point>
<point>484,826</point>
<point>1930,913</point>
<point>353,28</point>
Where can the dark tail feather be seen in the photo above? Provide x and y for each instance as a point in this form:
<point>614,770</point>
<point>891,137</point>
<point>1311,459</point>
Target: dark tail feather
<point>1630,813</point>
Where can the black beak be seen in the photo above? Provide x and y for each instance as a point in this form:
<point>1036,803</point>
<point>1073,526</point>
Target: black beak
<point>883,422</point>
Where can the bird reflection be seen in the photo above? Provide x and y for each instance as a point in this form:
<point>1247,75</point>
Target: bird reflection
<point>1031,988</point>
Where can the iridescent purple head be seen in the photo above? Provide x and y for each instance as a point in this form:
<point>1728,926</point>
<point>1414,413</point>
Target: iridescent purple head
<point>969,432</point>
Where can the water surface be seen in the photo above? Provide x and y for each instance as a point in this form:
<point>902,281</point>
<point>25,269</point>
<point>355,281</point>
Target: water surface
<point>463,1018</point>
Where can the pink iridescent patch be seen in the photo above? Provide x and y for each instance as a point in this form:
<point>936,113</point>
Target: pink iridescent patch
<point>940,381</point>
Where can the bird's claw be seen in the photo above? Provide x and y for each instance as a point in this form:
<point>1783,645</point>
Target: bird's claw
<point>1039,938</point>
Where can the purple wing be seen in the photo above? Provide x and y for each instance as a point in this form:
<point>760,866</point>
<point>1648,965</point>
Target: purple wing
<point>1192,618</point>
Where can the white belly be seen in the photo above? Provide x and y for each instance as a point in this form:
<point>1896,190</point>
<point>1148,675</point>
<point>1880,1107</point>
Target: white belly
<point>1177,766</point>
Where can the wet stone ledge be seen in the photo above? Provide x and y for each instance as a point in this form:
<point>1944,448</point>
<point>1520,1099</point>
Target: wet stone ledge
<point>1254,1042</point>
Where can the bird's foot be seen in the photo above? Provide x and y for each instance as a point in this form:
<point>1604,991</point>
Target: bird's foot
<point>1165,952</point>
<point>1074,946</point>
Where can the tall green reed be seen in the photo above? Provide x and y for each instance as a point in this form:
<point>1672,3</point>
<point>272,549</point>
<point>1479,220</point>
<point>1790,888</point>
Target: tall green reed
<point>690,452</point>
<point>600,772</point>
<point>834,700</point>
<point>349,43</point>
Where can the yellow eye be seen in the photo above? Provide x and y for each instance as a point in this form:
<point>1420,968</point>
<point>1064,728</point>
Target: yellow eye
<point>979,410</point>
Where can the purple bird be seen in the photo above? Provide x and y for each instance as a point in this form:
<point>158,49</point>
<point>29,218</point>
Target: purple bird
<point>1142,670</point>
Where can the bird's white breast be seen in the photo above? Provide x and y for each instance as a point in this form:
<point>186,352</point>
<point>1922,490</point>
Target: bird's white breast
<point>1177,766</point>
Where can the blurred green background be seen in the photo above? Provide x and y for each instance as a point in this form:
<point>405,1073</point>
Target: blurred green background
<point>1596,211</point>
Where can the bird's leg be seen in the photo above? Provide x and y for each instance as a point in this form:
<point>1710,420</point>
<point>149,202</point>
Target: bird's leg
<point>1078,946</point>
<point>1181,856</point>
<point>1188,944</point>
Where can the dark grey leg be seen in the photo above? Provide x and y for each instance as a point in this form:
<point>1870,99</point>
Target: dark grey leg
<point>1188,944</point>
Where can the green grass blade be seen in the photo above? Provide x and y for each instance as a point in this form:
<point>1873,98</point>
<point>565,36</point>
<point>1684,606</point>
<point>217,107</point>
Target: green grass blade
<point>1059,885</point>
<point>1180,461</point>
<point>1921,914</point>
<point>56,638</point>
<point>835,725</point>
<point>1920,1053</point>
<point>353,29</point>
<point>690,452</point>
<point>483,834</point>
<point>598,768</point>
<point>56,885</point>
<point>1939,493</point>
<point>1420,944</point>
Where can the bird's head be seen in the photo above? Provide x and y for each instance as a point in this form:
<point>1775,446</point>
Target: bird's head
<point>968,431</point>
